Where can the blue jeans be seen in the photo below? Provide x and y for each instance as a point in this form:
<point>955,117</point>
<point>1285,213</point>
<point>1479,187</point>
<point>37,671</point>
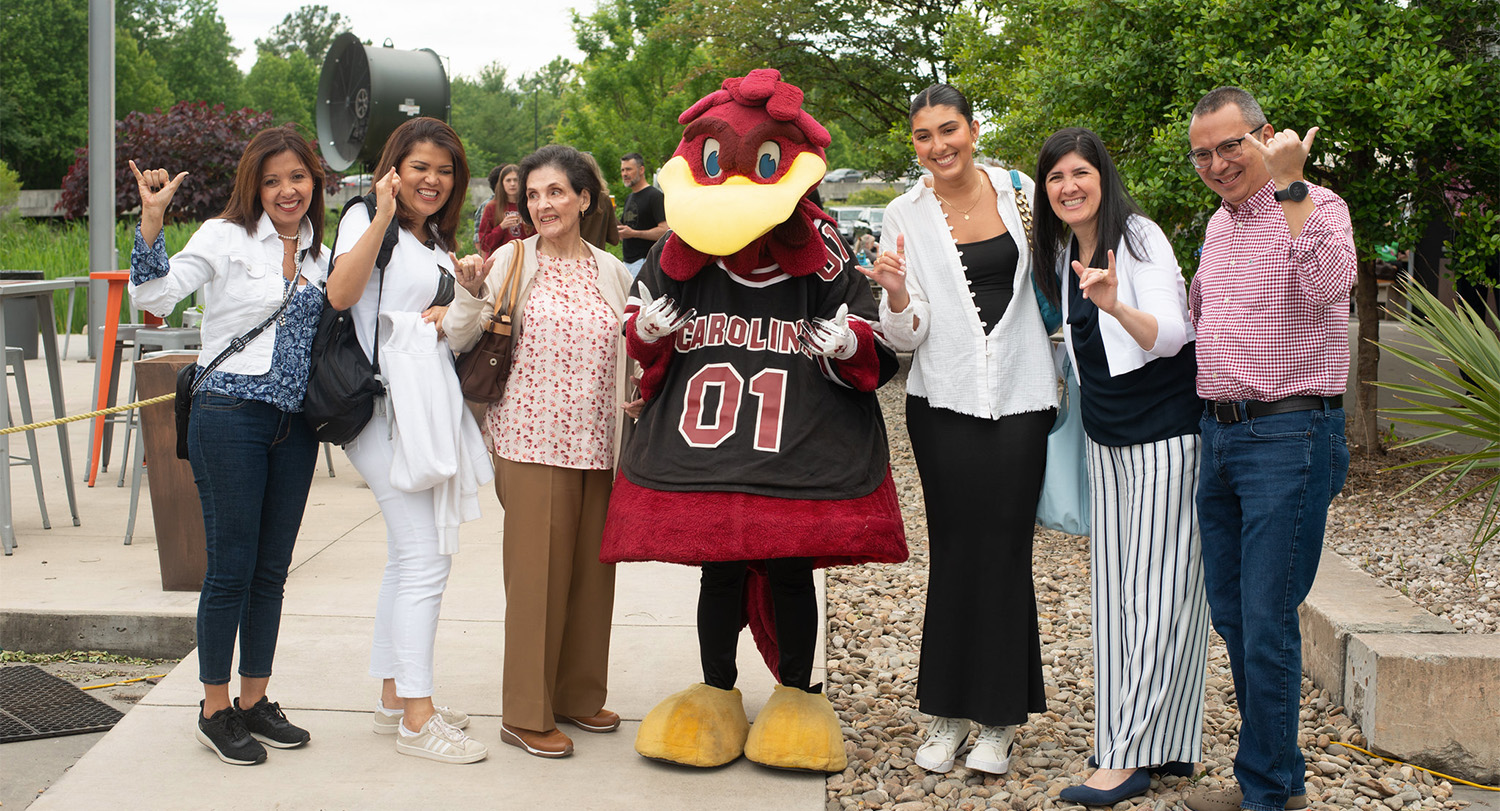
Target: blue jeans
<point>1263,494</point>
<point>253,464</point>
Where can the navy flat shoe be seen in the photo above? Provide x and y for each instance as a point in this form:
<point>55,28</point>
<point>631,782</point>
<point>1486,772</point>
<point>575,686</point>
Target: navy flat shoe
<point>1176,768</point>
<point>1134,786</point>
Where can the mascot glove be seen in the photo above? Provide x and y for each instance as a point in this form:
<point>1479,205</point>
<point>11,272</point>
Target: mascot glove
<point>831,338</point>
<point>660,318</point>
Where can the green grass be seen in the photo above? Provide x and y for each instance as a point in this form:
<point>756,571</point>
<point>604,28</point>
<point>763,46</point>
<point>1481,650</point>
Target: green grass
<point>60,250</point>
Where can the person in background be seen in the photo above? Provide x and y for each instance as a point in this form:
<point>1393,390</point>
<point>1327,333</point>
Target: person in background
<point>252,452</point>
<point>1270,305</point>
<point>981,398</point>
<point>600,228</point>
<point>502,221</point>
<point>494,180</point>
<point>643,220</point>
<point>1124,304</point>
<point>420,180</point>
<point>555,433</point>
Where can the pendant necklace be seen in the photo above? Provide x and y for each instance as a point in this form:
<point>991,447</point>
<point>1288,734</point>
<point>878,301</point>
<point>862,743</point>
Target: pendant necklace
<point>966,211</point>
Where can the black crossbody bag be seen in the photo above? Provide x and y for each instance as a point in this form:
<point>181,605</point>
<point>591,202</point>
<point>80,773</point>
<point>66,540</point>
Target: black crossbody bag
<point>188,383</point>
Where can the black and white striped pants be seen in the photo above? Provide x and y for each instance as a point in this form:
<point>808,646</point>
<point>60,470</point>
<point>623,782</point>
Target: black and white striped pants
<point>1150,612</point>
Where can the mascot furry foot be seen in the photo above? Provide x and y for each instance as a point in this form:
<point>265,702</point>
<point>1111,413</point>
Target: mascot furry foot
<point>700,726</point>
<point>797,730</point>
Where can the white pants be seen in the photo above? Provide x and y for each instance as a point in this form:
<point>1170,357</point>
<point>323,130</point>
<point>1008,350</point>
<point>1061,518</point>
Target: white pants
<point>411,592</point>
<point>1150,611</point>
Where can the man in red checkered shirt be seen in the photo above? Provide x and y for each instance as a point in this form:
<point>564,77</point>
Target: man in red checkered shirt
<point>1270,306</point>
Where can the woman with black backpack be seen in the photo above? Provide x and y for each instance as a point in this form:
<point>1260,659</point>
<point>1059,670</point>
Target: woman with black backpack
<point>421,180</point>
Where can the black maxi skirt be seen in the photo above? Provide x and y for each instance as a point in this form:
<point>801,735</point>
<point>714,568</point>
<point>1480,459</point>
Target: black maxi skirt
<point>981,478</point>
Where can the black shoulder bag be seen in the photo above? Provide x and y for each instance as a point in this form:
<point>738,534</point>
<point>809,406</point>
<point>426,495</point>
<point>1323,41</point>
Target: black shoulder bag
<point>342,383</point>
<point>188,383</point>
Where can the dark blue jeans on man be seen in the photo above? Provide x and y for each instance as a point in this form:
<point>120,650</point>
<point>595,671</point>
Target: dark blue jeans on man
<point>1263,494</point>
<point>253,464</point>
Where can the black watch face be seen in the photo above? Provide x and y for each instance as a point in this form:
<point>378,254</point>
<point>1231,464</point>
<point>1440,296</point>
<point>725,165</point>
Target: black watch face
<point>1297,192</point>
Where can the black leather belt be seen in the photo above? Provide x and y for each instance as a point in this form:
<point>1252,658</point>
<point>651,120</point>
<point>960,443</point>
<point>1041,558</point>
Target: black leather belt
<point>1239,410</point>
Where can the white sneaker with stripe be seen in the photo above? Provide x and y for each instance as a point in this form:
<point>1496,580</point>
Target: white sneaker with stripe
<point>441,741</point>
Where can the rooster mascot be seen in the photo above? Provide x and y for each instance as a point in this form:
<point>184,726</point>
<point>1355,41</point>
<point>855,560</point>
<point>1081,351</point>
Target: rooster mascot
<point>760,453</point>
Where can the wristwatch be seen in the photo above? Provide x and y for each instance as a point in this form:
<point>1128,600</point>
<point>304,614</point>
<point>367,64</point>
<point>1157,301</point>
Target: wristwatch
<point>1297,192</point>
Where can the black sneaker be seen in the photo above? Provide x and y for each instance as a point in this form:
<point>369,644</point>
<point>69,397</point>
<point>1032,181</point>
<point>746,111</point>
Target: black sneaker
<point>225,733</point>
<point>267,722</point>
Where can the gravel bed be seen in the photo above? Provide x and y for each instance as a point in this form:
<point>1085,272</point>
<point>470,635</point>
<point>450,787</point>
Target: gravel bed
<point>875,633</point>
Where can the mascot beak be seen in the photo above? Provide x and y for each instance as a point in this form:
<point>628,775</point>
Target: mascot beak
<point>721,219</point>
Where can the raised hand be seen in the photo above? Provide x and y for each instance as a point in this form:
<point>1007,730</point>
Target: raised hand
<point>660,318</point>
<point>1099,285</point>
<point>471,271</point>
<point>156,191</point>
<point>889,269</point>
<point>386,190</point>
<point>830,338</point>
<point>1284,154</point>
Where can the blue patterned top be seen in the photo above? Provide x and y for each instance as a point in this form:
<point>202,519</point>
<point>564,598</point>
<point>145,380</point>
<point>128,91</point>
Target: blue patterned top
<point>286,382</point>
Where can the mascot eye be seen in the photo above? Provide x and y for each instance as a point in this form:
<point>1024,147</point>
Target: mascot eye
<point>711,158</point>
<point>768,159</point>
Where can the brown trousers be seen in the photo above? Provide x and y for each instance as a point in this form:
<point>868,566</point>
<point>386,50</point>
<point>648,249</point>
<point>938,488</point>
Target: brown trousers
<point>558,597</point>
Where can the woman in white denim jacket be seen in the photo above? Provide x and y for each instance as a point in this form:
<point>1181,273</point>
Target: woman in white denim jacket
<point>252,452</point>
<point>981,398</point>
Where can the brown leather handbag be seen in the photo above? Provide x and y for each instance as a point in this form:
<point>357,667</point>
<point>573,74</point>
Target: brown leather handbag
<point>483,370</point>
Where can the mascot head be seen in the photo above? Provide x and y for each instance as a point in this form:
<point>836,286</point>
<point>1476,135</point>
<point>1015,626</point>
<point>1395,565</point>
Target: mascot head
<point>748,157</point>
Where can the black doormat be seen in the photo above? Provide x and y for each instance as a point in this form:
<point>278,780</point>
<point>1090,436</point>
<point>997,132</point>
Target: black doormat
<point>35,704</point>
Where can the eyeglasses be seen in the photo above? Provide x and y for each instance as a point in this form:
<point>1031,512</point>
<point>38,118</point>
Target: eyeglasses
<point>1229,150</point>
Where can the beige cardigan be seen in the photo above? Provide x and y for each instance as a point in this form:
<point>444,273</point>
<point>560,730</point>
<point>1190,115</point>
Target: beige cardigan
<point>468,314</point>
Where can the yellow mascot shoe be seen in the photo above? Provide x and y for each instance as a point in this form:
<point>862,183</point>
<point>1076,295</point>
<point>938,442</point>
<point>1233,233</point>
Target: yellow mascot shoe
<point>700,726</point>
<point>797,730</point>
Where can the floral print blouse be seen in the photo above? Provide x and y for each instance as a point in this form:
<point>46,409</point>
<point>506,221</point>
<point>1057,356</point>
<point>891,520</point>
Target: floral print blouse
<point>559,403</point>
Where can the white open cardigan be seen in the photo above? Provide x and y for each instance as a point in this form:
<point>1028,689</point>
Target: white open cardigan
<point>955,364</point>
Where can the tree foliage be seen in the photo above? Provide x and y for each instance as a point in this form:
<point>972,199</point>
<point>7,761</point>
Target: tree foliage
<point>139,86</point>
<point>206,142</point>
<point>286,86</point>
<point>636,77</point>
<point>44,89</point>
<point>309,30</point>
<point>859,61</point>
<point>198,61</point>
<point>1407,96</point>
<point>502,121</point>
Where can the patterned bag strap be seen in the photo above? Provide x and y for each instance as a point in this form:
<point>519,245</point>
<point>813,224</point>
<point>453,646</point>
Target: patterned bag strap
<point>1022,206</point>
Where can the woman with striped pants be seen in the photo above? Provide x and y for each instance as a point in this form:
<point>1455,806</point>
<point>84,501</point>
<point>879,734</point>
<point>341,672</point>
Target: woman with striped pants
<point>1127,329</point>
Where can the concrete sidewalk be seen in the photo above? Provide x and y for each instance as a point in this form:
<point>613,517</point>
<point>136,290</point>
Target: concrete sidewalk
<point>151,758</point>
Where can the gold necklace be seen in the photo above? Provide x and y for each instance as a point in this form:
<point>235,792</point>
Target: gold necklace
<point>965,212</point>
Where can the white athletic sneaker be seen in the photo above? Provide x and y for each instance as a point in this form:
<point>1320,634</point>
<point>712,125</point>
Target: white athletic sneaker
<point>946,739</point>
<point>441,742</point>
<point>991,752</point>
<point>386,720</point>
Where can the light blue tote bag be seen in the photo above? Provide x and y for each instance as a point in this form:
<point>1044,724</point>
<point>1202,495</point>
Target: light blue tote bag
<point>1064,504</point>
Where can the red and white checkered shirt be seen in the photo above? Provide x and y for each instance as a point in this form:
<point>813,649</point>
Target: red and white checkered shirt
<point>1272,312</point>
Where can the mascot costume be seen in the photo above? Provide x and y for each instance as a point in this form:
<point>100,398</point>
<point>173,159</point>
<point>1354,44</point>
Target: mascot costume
<point>760,453</point>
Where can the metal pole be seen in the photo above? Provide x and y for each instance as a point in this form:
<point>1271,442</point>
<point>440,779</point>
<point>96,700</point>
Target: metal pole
<point>101,145</point>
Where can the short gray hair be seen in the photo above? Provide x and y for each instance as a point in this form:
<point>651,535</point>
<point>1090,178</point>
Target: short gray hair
<point>1220,97</point>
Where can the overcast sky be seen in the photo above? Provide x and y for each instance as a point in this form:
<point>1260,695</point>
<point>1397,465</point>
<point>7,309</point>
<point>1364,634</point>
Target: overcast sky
<point>467,34</point>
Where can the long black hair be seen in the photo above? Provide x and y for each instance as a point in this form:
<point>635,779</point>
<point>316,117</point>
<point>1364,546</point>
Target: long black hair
<point>941,95</point>
<point>1115,209</point>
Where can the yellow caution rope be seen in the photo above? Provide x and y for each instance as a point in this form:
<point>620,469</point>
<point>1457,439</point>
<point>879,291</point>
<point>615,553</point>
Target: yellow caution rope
<point>1415,766</point>
<point>111,410</point>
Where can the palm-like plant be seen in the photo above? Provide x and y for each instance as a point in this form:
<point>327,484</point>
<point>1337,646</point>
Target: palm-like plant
<point>1458,393</point>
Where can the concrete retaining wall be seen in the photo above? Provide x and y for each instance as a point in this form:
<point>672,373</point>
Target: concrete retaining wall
<point>1420,691</point>
<point>152,636</point>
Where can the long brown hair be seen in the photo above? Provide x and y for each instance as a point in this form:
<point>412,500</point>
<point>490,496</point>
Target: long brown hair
<point>507,169</point>
<point>444,224</point>
<point>244,208</point>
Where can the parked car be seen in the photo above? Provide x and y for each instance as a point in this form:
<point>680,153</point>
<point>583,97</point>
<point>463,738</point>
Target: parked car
<point>849,219</point>
<point>844,176</point>
<point>874,217</point>
<point>361,182</point>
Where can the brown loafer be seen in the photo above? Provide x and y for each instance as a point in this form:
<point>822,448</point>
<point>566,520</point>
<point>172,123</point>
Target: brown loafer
<point>552,743</point>
<point>601,721</point>
<point>1230,799</point>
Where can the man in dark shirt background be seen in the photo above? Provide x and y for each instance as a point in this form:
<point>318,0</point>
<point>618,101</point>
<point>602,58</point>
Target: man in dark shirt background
<point>643,220</point>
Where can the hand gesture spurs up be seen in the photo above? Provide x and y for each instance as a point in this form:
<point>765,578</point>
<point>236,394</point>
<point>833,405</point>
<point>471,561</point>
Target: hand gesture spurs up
<point>1284,154</point>
<point>1099,285</point>
<point>156,194</point>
